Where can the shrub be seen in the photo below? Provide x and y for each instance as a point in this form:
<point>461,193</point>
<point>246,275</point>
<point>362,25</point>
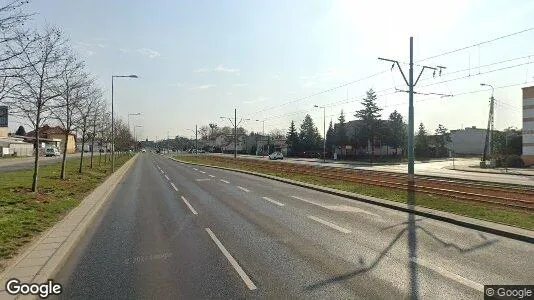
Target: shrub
<point>514,161</point>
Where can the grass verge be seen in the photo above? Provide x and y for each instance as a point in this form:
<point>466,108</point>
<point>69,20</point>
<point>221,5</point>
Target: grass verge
<point>497,214</point>
<point>23,214</point>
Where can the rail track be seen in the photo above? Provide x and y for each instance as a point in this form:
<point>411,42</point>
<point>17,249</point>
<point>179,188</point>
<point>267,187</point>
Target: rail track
<point>495,194</point>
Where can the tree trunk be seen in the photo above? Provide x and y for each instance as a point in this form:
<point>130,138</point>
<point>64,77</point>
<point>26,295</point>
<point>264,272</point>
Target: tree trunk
<point>93,142</point>
<point>36,161</point>
<point>64,159</point>
<point>100,153</point>
<point>83,145</point>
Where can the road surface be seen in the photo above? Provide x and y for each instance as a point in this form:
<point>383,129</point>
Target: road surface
<point>12,164</point>
<point>433,168</point>
<point>175,231</point>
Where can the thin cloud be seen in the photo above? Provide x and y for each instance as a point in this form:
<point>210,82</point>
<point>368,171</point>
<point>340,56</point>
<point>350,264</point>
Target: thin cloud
<point>257,100</point>
<point>203,87</point>
<point>240,84</point>
<point>200,70</point>
<point>221,68</point>
<point>101,45</point>
<point>148,52</point>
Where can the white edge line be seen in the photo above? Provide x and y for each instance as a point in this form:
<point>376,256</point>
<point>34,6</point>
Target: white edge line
<point>273,201</point>
<point>329,224</point>
<point>243,189</point>
<point>175,188</point>
<point>167,177</point>
<point>189,205</point>
<point>225,181</point>
<point>460,279</point>
<point>251,286</point>
<point>308,201</point>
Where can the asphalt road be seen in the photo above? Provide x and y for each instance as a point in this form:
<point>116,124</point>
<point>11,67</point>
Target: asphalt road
<point>174,231</point>
<point>13,164</point>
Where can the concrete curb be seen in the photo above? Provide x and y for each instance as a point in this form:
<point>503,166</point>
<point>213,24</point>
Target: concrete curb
<point>471,223</point>
<point>43,259</point>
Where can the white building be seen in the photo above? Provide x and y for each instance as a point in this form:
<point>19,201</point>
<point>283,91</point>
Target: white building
<point>528,125</point>
<point>15,147</point>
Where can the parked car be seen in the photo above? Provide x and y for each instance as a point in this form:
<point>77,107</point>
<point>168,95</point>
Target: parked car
<point>276,155</point>
<point>52,152</point>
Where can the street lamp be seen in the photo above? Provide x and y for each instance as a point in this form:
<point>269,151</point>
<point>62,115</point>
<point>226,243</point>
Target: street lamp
<point>196,138</point>
<point>113,119</point>
<point>489,133</point>
<point>235,124</point>
<point>263,134</point>
<point>324,130</point>
<point>135,135</point>
<point>132,114</point>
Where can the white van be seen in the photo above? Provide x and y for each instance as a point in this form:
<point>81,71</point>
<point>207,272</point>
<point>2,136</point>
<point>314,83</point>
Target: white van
<point>52,152</point>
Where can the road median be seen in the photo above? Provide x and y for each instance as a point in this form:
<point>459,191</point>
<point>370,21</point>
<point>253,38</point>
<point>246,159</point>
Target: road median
<point>468,215</point>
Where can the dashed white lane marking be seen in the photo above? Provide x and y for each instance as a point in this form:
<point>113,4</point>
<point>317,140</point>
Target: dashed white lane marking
<point>225,181</point>
<point>243,189</point>
<point>460,279</point>
<point>329,224</point>
<point>273,201</point>
<point>161,171</point>
<point>344,208</point>
<point>211,176</point>
<point>174,187</point>
<point>189,205</point>
<point>251,286</point>
<point>195,169</point>
<point>202,179</point>
<point>202,172</point>
<point>167,177</point>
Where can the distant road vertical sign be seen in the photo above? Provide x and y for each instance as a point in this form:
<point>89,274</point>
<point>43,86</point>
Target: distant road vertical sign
<point>3,116</point>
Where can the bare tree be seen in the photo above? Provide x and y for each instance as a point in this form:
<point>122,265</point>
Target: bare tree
<point>34,92</point>
<point>99,110</point>
<point>73,81</point>
<point>87,109</point>
<point>12,19</point>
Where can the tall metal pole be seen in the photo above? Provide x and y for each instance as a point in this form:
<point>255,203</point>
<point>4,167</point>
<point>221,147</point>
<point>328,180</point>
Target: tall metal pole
<point>112,130</point>
<point>196,139</point>
<point>410,119</point>
<point>491,125</point>
<point>324,134</point>
<point>235,133</point>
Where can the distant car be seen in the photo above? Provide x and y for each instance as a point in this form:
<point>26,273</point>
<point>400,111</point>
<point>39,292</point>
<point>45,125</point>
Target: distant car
<point>276,155</point>
<point>52,152</point>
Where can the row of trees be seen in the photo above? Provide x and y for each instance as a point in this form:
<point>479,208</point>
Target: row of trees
<point>43,80</point>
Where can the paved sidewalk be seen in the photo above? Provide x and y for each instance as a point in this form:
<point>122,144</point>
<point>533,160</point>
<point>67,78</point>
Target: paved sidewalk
<point>510,171</point>
<point>44,258</point>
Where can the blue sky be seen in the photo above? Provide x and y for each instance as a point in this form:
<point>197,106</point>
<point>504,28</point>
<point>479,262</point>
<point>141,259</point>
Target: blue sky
<point>198,60</point>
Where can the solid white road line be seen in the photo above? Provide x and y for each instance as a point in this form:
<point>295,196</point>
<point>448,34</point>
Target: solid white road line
<point>189,205</point>
<point>273,201</point>
<point>308,201</point>
<point>344,208</point>
<point>251,286</point>
<point>331,225</point>
<point>243,189</point>
<point>167,177</point>
<point>460,279</point>
<point>211,176</point>
<point>175,188</point>
<point>225,181</point>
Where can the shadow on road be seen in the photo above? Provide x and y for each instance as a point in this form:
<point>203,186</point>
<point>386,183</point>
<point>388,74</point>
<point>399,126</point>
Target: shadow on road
<point>410,228</point>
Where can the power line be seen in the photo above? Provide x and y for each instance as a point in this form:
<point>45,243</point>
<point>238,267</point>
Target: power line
<point>478,44</point>
<point>322,92</point>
